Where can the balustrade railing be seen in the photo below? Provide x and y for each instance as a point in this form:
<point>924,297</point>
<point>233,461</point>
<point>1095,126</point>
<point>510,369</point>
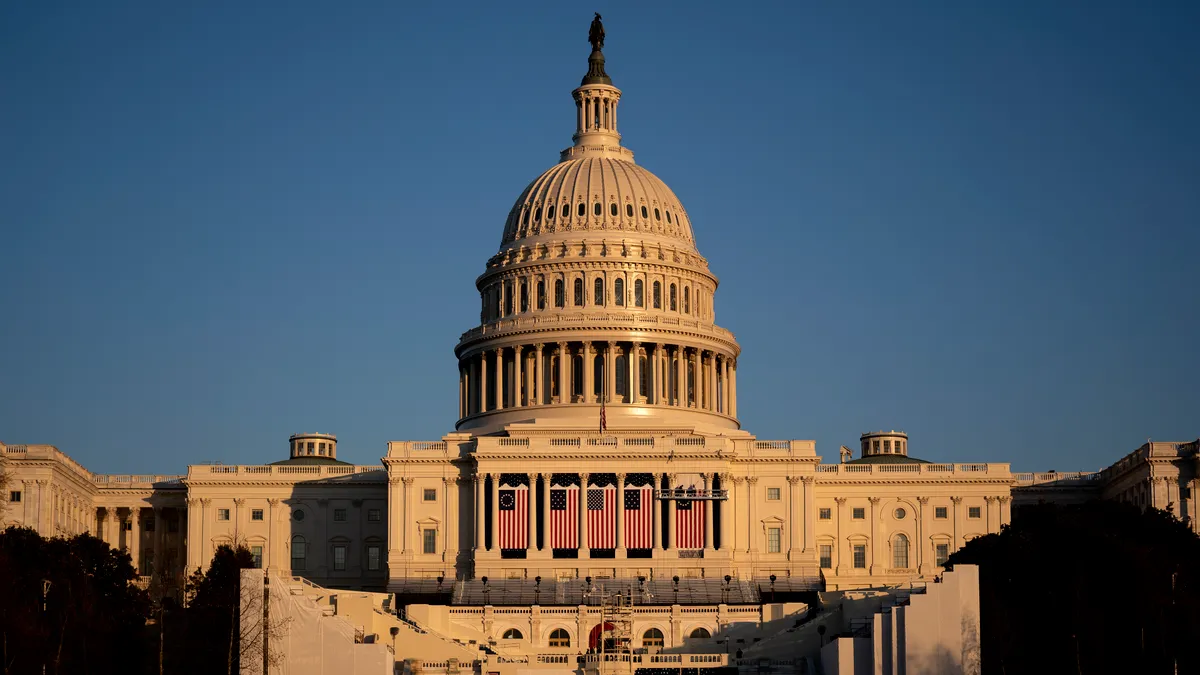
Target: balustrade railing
<point>997,470</point>
<point>283,472</point>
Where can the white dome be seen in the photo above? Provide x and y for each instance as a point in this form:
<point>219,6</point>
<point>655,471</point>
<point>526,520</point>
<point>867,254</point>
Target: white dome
<point>631,202</point>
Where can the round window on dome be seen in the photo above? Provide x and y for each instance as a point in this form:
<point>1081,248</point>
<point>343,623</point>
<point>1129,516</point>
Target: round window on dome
<point>613,209</point>
<point>657,215</point>
<point>900,513</point>
<point>629,210</point>
<point>582,209</point>
<point>644,212</point>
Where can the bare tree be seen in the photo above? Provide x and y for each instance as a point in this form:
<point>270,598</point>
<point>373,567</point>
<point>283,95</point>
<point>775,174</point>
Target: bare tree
<point>261,635</point>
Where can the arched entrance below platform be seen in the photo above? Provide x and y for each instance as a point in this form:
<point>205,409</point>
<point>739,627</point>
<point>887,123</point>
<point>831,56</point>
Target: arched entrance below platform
<point>594,638</point>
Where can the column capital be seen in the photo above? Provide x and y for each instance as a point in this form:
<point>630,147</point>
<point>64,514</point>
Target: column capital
<point>193,502</point>
<point>1005,500</point>
<point>394,480</point>
<point>110,515</point>
<point>583,479</point>
<point>990,498</point>
<point>956,500</point>
<point>792,480</point>
<point>539,346</point>
<point>840,500</point>
<point>620,479</point>
<point>408,480</point>
<point>736,480</point>
<point>450,481</point>
<point>922,500</point>
<point>274,501</point>
<point>478,478</point>
<point>205,501</point>
<point>874,500</point>
<point>808,480</point>
<point>41,481</point>
<point>753,480</point>
<point>136,512</point>
<point>240,501</point>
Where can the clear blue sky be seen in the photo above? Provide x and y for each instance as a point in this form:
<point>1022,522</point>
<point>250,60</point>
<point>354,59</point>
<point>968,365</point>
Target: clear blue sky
<point>225,222</point>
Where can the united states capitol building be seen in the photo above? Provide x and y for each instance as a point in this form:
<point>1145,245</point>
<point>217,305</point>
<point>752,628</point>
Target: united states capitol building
<point>597,441</point>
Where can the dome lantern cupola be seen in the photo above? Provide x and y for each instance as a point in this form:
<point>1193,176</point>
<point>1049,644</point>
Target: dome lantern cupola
<point>596,102</point>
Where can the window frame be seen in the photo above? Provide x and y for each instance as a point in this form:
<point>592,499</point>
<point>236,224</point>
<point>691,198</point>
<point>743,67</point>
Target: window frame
<point>901,545</point>
<point>938,558</point>
<point>825,513</point>
<point>223,515</point>
<point>340,515</point>
<point>257,553</point>
<point>257,515</point>
<point>559,637</point>
<point>429,541</point>
<point>858,513</point>
<point>774,540</point>
<point>598,292</point>
<point>857,562</point>
<point>299,543</point>
<point>653,637</point>
<point>941,512</point>
<point>825,556</point>
<point>425,495</point>
<point>374,515</point>
<point>774,494</point>
<point>974,512</point>
<point>14,497</point>
<point>619,292</point>
<point>374,556</point>
<point>343,550</point>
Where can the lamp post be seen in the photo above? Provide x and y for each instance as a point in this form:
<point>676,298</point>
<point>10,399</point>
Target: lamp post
<point>395,631</point>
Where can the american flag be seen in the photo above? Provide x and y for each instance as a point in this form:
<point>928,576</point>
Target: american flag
<point>601,515</point>
<point>564,517</point>
<point>639,504</point>
<point>514,518</point>
<point>689,523</point>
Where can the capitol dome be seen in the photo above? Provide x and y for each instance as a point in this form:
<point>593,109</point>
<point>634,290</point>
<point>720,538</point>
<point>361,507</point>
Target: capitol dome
<point>598,194</point>
<point>597,309</point>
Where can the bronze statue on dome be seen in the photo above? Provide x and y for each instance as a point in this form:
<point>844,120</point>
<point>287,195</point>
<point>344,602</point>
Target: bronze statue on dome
<point>596,33</point>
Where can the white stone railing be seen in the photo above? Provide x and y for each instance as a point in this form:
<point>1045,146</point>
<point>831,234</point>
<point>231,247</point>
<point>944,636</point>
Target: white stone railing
<point>1060,478</point>
<point>635,319</point>
<point>124,479</point>
<point>928,470</point>
<point>284,472</point>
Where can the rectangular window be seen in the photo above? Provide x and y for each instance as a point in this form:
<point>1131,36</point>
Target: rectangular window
<point>860,556</point>
<point>339,558</point>
<point>298,555</point>
<point>429,539</point>
<point>256,514</point>
<point>825,514</point>
<point>222,514</point>
<point>429,495</point>
<point>860,513</point>
<point>827,555</point>
<point>942,554</point>
<point>256,551</point>
<point>887,446</point>
<point>772,540</point>
<point>14,496</point>
<point>373,558</point>
<point>310,447</point>
<point>772,494</point>
<point>128,525</point>
<point>339,515</point>
<point>939,512</point>
<point>973,511</point>
<point>373,515</point>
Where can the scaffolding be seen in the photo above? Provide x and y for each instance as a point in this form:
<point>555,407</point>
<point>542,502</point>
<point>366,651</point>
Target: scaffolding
<point>614,646</point>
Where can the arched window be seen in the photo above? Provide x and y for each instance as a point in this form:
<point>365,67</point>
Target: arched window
<point>541,293</point>
<point>598,293</point>
<point>668,216</point>
<point>687,301</point>
<point>900,552</point>
<point>524,296</point>
<point>525,217</point>
<point>550,212</point>
<point>672,298</point>
<point>578,294</point>
<point>559,637</point>
<point>566,210</point>
<point>508,298</point>
<point>512,634</point>
<point>619,292</point>
<point>629,210</point>
<point>652,638</point>
<point>644,212</point>
<point>560,299</point>
<point>700,634</point>
<point>657,215</point>
<point>639,299</point>
<point>613,209</point>
<point>299,552</point>
<point>622,366</point>
<point>537,215</point>
<point>657,295</point>
<point>577,375</point>
<point>582,209</point>
<point>597,209</point>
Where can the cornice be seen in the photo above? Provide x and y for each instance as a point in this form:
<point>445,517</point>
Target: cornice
<point>475,338</point>
<point>587,263</point>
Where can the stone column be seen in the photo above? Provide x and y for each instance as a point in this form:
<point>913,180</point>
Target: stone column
<point>409,519</point>
<point>708,479</point>
<point>518,378</point>
<point>610,370</point>
<point>733,390</point>
<point>729,511</point>
<point>681,376</point>
<point>873,560</point>
<point>272,560</point>
<point>991,512</point>
<point>794,511</point>
<point>922,503</point>
<point>500,378</point>
<point>112,534</point>
<point>841,546</point>
<point>655,514</point>
<point>478,479</point>
<point>495,531</point>
<point>810,513</point>
<point>584,549</point>
<point>589,373</point>
<point>752,500</point>
<point>450,540</point>
<point>669,537</point>
<point>135,538</point>
<point>1006,513</point>
<point>725,384</point>
<point>564,367</point>
<point>159,526</point>
<point>190,536</point>
<point>957,508</point>
<point>531,514</point>
<point>540,379</point>
<point>697,381</point>
<point>635,381</point>
<point>656,376</point>
<point>620,515</point>
<point>546,480</point>
<point>483,382</point>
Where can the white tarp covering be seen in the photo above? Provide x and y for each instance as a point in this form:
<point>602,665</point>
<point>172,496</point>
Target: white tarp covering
<point>302,640</point>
